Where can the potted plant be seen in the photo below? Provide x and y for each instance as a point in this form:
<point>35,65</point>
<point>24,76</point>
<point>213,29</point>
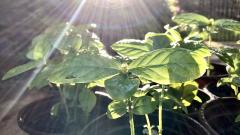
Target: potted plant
<point>139,80</point>
<point>202,28</point>
<point>149,61</point>
<point>74,102</point>
<point>228,104</point>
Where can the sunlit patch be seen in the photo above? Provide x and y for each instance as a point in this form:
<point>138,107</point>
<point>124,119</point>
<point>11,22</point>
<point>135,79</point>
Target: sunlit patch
<point>42,63</point>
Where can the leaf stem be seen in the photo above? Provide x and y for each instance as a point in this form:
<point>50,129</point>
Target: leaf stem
<point>63,100</point>
<point>148,125</point>
<point>209,57</point>
<point>160,108</point>
<point>131,122</point>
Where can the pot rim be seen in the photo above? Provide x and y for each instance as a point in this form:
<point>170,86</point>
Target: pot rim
<point>169,111</point>
<point>29,130</point>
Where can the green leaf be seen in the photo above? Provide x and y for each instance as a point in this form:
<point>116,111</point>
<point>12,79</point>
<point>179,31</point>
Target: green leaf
<point>198,48</point>
<point>175,35</point>
<point>237,118</point>
<point>158,40</point>
<point>55,109</point>
<point>40,47</point>
<point>121,87</point>
<point>228,24</point>
<point>87,100</point>
<point>236,81</point>
<point>20,69</point>
<point>169,65</point>
<point>144,105</point>
<point>41,79</point>
<point>116,109</point>
<point>84,68</point>
<point>186,91</point>
<point>69,91</point>
<point>131,48</point>
<point>191,18</point>
<point>176,100</point>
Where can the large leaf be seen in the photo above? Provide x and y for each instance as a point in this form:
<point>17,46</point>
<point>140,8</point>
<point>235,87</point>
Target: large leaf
<point>169,65</point>
<point>20,69</point>
<point>191,18</point>
<point>84,68</point>
<point>131,48</point>
<point>228,24</point>
<point>198,48</point>
<point>144,105</point>
<point>121,87</point>
<point>87,100</point>
<point>116,109</point>
<point>158,40</point>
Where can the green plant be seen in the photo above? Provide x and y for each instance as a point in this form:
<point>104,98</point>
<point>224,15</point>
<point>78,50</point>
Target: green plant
<point>146,74</point>
<point>203,27</point>
<point>154,60</point>
<point>47,54</point>
<point>231,57</point>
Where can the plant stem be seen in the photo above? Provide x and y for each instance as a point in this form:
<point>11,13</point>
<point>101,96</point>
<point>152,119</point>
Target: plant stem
<point>209,57</point>
<point>64,103</point>
<point>148,125</point>
<point>160,107</point>
<point>131,122</point>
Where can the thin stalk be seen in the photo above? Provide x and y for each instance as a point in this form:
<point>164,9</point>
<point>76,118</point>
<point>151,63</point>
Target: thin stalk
<point>65,104</point>
<point>148,125</point>
<point>160,108</point>
<point>131,122</point>
<point>209,57</point>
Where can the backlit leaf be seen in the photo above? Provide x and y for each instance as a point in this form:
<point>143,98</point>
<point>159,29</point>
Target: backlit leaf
<point>169,65</point>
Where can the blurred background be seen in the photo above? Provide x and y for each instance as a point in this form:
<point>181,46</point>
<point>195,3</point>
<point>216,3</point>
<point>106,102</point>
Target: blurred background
<point>21,20</point>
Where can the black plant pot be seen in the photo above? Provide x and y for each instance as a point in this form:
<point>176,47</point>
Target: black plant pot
<point>35,118</point>
<point>193,109</point>
<point>218,116</point>
<point>221,91</point>
<point>173,124</point>
<point>216,74</point>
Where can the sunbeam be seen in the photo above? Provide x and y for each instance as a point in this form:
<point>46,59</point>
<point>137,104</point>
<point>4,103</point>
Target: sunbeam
<point>42,63</point>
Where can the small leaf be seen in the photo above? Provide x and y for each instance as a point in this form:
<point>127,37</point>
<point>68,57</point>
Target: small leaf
<point>41,79</point>
<point>144,105</point>
<point>20,69</point>
<point>158,40</point>
<point>121,87</point>
<point>131,48</point>
<point>191,18</point>
<point>40,47</point>
<point>236,81</point>
<point>55,109</point>
<point>237,118</point>
<point>186,92</point>
<point>175,35</point>
<point>228,24</point>
<point>87,100</point>
<point>116,109</point>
